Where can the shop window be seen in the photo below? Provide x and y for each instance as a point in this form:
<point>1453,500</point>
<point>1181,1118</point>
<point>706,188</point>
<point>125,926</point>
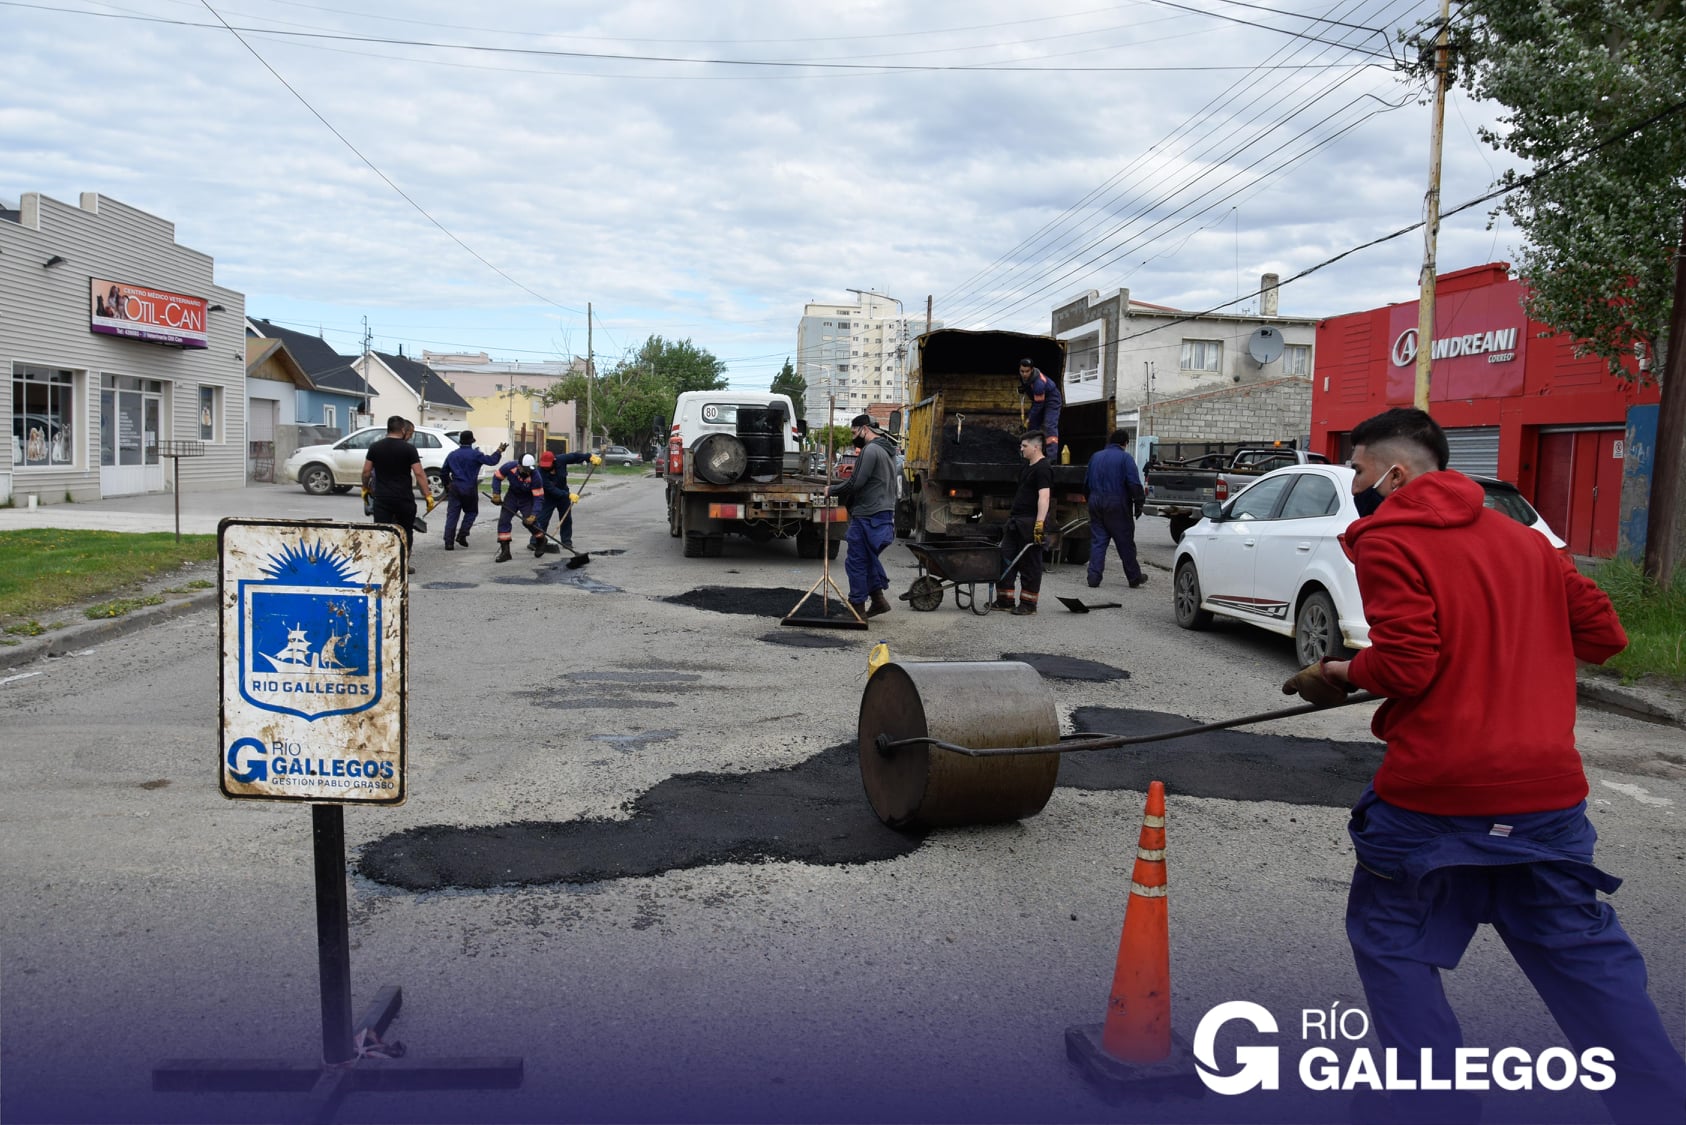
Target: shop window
<point>210,413</point>
<point>1202,355</point>
<point>1296,359</point>
<point>43,417</point>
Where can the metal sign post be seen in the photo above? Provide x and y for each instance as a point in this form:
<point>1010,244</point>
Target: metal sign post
<point>175,451</point>
<point>313,629</point>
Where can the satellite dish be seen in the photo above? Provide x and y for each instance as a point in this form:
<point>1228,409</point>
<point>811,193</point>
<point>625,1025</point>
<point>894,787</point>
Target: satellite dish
<point>1265,345</point>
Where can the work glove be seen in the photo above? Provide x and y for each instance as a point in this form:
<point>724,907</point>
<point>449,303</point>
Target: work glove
<point>502,445</point>
<point>431,503</point>
<point>530,521</point>
<point>366,495</point>
<point>1037,533</point>
<point>1314,686</point>
<point>498,500</point>
<point>1136,509</point>
<point>596,460</point>
<point>573,498</point>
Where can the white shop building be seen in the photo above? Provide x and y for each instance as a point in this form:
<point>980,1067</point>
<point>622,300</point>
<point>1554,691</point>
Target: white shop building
<point>118,349</point>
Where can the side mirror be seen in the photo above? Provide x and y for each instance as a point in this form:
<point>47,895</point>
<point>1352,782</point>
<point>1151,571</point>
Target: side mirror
<point>1213,511</point>
<point>802,427</point>
<point>895,426</point>
<point>658,424</point>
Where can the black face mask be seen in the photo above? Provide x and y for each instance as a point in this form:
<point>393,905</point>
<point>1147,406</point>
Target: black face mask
<point>860,443</point>
<point>1371,498</point>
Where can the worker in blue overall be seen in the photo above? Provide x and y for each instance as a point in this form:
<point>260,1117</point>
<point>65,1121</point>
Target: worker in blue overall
<point>557,497</point>
<point>526,493</point>
<point>1045,403</point>
<point>1478,813</point>
<point>1114,487</point>
<point>462,487</point>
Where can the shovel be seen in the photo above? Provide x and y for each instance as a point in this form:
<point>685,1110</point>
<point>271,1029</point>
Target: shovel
<point>1076,605</point>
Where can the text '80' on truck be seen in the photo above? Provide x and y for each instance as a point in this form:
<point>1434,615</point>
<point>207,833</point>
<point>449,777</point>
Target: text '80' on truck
<point>962,447</point>
<point>735,466</point>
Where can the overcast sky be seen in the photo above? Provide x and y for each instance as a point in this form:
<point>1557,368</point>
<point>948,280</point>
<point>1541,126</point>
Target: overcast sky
<point>702,169</point>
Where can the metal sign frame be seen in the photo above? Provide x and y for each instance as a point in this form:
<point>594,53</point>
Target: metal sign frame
<point>313,628</point>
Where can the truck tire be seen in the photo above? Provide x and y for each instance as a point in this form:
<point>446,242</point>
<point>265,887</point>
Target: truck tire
<point>1185,598</point>
<point>698,529</point>
<point>812,544</point>
<point>1180,525</point>
<point>719,458</point>
<point>675,523</point>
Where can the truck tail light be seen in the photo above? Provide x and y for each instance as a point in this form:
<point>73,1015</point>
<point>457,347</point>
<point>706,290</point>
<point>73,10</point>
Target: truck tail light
<point>835,515</point>
<point>725,511</point>
<point>1221,490</point>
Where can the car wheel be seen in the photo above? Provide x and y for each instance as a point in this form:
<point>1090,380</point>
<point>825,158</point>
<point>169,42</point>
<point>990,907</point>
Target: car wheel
<point>1180,526</point>
<point>1185,599</point>
<point>436,483</point>
<point>316,480</point>
<point>1317,630</point>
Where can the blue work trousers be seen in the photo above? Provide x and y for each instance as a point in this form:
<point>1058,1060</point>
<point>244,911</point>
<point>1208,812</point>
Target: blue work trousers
<point>1405,930</point>
<point>564,529</point>
<point>1109,521</point>
<point>460,502</point>
<point>867,538</point>
<point>516,505</point>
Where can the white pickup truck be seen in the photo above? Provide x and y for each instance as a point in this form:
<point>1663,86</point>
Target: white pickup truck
<point>735,466</point>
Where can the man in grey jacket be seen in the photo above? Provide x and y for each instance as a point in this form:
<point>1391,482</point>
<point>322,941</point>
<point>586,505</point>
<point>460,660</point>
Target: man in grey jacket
<point>870,496</point>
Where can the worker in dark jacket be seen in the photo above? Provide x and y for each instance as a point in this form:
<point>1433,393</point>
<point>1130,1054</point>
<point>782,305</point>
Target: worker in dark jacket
<point>1478,814</point>
<point>462,487</point>
<point>1114,488</point>
<point>870,495</point>
<point>557,497</point>
<point>526,493</point>
<point>1045,403</point>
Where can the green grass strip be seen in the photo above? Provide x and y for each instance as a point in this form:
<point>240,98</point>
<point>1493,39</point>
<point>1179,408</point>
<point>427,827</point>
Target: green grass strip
<point>1655,620</point>
<point>43,569</point>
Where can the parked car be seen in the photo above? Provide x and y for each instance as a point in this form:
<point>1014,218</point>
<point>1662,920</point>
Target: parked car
<point>619,455</point>
<point>1271,557</point>
<point>338,467</point>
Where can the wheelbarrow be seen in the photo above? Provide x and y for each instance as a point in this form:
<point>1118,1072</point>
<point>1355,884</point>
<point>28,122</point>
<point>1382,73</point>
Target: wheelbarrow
<point>960,567</point>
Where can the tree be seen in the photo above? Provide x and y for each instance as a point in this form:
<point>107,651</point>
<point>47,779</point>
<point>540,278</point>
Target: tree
<point>1592,91</point>
<point>789,383</point>
<point>640,388</point>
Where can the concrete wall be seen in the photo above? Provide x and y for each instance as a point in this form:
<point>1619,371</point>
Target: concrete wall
<point>1280,408</point>
<point>46,323</point>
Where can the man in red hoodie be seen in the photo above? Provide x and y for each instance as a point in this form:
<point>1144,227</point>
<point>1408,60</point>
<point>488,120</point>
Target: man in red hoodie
<point>1478,812</point>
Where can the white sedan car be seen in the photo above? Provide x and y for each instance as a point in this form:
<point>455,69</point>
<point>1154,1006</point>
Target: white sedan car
<point>1271,557</point>
<point>338,467</point>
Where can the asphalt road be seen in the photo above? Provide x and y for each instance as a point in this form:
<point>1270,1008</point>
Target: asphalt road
<point>637,855</point>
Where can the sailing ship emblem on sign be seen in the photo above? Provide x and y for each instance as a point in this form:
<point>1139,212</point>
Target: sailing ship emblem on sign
<point>310,635</point>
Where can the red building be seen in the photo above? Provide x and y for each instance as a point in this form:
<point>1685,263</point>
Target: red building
<point>1514,399</point>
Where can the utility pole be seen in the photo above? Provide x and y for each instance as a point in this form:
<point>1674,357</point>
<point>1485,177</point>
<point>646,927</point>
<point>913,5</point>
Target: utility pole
<point>590,378</point>
<point>927,312</point>
<point>367,340</point>
<point>1431,208</point>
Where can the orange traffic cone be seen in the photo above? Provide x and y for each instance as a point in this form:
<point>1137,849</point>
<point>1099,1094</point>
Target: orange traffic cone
<point>1132,1050</point>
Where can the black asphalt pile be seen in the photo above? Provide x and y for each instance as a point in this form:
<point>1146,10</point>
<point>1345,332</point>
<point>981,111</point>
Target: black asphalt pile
<point>1231,764</point>
<point>980,445</point>
<point>808,640</point>
<point>812,813</point>
<point>757,602</point>
<point>1068,667</point>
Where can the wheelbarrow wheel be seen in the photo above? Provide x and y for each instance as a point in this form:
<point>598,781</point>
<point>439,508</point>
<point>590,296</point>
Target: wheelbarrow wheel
<point>925,594</point>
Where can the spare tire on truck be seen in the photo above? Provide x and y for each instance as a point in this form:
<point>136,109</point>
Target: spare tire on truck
<point>719,458</point>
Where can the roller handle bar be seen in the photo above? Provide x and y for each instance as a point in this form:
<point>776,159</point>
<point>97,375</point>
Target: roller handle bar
<point>1073,743</point>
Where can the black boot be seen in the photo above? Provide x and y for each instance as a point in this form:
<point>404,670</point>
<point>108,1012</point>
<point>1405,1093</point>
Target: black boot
<point>450,546</point>
<point>503,552</point>
<point>860,609</point>
<point>462,539</point>
<point>879,604</point>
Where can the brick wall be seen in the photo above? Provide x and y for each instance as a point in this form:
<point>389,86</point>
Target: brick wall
<point>1279,408</point>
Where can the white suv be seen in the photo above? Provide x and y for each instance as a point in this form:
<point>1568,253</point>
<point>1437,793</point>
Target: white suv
<point>321,469</point>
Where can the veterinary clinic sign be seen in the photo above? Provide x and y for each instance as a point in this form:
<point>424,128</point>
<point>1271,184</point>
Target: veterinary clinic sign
<point>313,628</point>
<point>116,309</point>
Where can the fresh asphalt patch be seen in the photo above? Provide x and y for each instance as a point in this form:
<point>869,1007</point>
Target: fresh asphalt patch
<point>1068,667</point>
<point>816,812</point>
<point>756,601</point>
<point>1233,765</point>
<point>808,640</point>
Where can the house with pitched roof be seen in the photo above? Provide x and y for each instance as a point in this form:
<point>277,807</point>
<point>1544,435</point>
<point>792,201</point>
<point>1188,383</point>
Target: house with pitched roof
<point>337,397</point>
<point>399,385</point>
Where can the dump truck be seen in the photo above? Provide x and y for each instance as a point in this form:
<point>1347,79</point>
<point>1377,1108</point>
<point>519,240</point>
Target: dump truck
<point>735,466</point>
<point>962,439</point>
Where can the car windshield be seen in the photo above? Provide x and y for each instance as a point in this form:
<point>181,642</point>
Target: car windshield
<point>1503,498</point>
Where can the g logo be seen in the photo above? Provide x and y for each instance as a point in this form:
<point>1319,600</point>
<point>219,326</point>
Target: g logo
<point>257,768</point>
<point>1405,348</point>
<point>1258,1064</point>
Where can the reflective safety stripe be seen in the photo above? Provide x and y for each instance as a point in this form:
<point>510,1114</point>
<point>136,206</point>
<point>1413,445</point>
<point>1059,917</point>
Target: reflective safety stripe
<point>1148,892</point>
<point>1153,822</point>
<point>1157,854</point>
